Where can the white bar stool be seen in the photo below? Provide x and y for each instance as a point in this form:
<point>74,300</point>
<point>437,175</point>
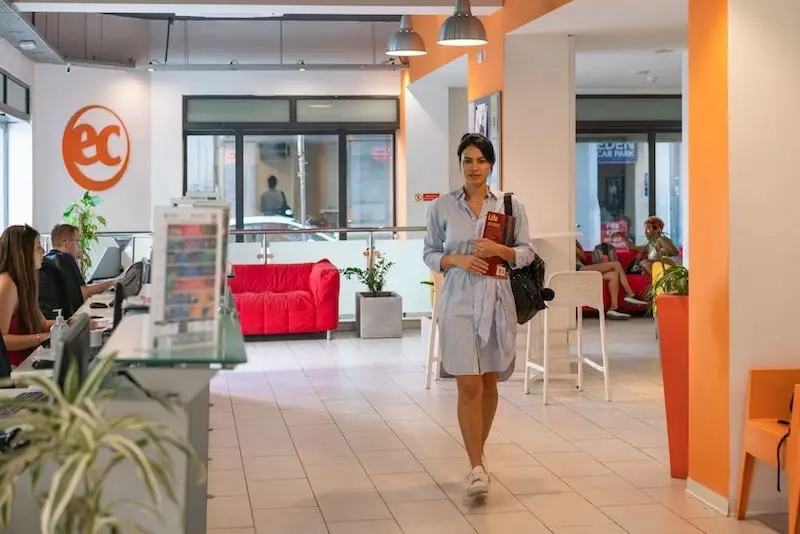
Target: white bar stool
<point>573,290</point>
<point>433,365</point>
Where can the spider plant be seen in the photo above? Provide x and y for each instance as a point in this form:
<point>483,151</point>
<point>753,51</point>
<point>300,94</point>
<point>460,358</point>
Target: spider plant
<point>74,434</point>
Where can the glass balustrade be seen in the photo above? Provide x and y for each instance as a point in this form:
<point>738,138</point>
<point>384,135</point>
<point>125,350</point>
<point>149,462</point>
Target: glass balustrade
<point>343,247</point>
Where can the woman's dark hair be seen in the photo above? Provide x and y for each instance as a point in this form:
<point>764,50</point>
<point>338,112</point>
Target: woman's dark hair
<point>17,244</point>
<point>272,182</point>
<point>481,142</point>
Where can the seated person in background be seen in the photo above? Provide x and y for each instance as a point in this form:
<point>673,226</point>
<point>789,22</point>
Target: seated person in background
<point>66,251</point>
<point>21,323</point>
<point>658,248</point>
<point>614,275</point>
<point>55,293</point>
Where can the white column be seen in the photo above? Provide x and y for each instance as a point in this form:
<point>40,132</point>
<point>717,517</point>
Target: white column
<point>763,83</point>
<point>539,152</point>
<point>427,145</point>
<point>684,182</point>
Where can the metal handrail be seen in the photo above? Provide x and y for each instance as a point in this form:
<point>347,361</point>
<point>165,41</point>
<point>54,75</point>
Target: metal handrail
<point>279,231</point>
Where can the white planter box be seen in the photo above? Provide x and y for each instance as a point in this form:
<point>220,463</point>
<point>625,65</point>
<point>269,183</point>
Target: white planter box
<point>379,317</point>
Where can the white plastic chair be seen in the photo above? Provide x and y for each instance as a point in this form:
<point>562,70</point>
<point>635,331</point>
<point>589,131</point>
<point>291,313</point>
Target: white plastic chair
<point>573,290</point>
<point>433,365</point>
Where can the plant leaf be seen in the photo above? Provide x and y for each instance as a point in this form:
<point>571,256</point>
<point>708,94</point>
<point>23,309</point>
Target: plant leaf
<point>65,483</point>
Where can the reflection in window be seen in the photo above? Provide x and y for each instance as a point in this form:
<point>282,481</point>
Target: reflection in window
<point>669,201</point>
<point>612,187</point>
<point>370,176</point>
<point>291,181</point>
<point>211,165</point>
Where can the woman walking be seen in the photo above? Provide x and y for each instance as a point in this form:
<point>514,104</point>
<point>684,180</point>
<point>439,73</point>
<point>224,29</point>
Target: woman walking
<point>477,317</point>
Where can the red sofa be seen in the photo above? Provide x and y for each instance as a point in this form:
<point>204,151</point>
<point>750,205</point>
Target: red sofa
<point>639,282</point>
<point>290,298</point>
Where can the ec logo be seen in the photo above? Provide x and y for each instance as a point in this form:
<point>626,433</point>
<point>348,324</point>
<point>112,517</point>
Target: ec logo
<point>96,148</point>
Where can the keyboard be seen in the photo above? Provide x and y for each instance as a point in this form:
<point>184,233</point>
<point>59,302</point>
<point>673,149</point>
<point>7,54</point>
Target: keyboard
<point>28,397</point>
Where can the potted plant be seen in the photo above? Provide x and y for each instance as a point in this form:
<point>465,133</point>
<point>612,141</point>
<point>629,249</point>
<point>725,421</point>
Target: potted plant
<point>68,448</point>
<point>379,313</point>
<point>670,300</point>
<point>81,214</point>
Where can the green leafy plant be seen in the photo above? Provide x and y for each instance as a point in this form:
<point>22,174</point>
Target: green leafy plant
<point>374,277</point>
<point>82,215</point>
<point>426,283</point>
<point>673,281</point>
<point>74,435</point>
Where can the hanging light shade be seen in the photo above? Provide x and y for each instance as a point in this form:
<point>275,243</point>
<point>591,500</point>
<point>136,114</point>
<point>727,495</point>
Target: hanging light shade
<point>462,29</point>
<point>405,42</point>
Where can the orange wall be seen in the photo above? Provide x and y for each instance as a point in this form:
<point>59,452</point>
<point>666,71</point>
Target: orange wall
<point>517,13</point>
<point>438,56</point>
<point>709,426</point>
<point>489,75</point>
<point>400,159</point>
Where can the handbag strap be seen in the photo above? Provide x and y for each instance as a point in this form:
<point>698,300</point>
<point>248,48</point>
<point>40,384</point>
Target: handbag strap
<point>509,210</point>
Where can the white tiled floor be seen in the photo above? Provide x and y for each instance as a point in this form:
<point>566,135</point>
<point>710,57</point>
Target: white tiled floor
<point>340,437</point>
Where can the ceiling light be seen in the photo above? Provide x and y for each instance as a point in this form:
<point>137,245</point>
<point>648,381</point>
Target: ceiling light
<point>405,42</point>
<point>462,29</point>
<point>301,65</point>
<point>27,45</point>
<point>319,106</point>
<point>640,72</point>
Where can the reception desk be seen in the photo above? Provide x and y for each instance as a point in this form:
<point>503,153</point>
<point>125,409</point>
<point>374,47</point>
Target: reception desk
<point>182,375</point>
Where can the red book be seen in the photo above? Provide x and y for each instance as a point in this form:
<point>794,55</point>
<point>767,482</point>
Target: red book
<point>499,228</point>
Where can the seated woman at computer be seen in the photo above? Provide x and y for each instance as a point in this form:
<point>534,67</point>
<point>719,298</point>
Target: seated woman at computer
<point>658,248</point>
<point>65,254</point>
<point>21,322</point>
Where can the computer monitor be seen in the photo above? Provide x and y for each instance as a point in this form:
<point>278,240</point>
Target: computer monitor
<point>75,351</point>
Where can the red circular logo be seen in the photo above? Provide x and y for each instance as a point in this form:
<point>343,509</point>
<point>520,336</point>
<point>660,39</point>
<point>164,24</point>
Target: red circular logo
<point>96,148</point>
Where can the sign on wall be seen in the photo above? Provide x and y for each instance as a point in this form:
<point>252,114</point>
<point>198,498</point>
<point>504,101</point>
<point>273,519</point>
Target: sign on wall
<point>486,120</point>
<point>96,148</point>
<point>624,152</point>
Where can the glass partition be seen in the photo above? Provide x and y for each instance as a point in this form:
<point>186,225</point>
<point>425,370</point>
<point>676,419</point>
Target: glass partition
<point>402,246</point>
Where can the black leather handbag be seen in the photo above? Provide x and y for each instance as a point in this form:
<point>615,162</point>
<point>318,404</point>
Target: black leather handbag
<point>527,283</point>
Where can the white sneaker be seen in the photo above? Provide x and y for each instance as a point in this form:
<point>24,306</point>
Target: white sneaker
<point>633,299</point>
<point>617,315</point>
<point>477,482</point>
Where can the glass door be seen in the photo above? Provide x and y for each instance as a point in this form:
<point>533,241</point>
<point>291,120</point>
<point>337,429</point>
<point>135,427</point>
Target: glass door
<point>612,186</point>
<point>669,186</point>
<point>290,181</point>
<point>370,177</point>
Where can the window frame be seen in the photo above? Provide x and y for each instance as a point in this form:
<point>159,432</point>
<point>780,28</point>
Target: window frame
<point>651,128</point>
<point>340,129</point>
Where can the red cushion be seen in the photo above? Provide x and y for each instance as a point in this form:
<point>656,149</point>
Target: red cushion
<point>286,298</point>
<point>276,313</point>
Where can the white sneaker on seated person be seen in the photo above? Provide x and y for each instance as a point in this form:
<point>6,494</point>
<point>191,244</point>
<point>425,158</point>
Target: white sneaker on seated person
<point>636,301</point>
<point>617,315</point>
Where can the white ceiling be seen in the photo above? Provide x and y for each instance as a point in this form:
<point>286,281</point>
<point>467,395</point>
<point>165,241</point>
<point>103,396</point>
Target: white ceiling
<point>599,72</point>
<point>257,8</point>
<point>622,46</point>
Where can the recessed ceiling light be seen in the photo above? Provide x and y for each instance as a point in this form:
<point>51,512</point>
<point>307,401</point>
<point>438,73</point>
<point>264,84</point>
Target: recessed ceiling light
<point>27,45</point>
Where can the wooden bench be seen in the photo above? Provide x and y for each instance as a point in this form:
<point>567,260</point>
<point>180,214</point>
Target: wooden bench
<point>768,395</point>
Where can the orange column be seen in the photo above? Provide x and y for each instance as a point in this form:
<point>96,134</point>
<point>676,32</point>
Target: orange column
<point>709,427</point>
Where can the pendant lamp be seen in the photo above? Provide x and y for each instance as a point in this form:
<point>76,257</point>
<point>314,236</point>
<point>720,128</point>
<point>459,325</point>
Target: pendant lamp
<point>462,29</point>
<point>405,42</point>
